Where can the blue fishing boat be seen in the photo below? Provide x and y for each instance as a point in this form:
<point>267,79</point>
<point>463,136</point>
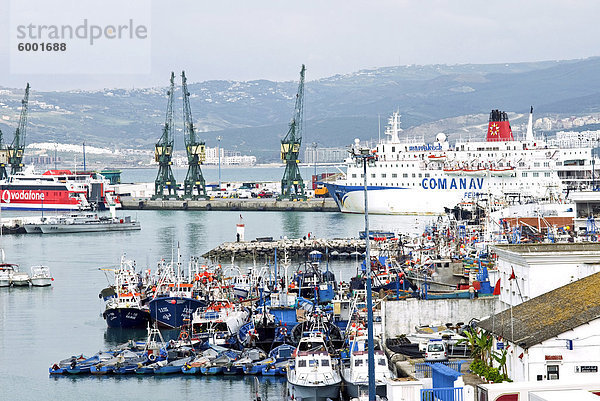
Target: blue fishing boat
<point>211,370</point>
<point>174,366</point>
<point>125,302</point>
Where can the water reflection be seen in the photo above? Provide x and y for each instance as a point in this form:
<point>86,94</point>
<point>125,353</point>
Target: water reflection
<point>114,336</point>
<point>291,224</point>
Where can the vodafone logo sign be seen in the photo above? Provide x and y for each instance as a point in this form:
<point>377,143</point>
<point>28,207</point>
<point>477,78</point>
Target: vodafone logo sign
<point>9,196</point>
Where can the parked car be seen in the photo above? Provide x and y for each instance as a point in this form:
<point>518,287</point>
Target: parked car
<point>244,193</point>
<point>436,351</point>
<point>265,194</point>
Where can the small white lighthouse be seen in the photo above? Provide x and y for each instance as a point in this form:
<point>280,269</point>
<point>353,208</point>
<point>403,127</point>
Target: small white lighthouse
<point>240,228</point>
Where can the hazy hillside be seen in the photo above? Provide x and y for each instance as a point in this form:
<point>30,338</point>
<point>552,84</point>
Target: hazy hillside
<point>253,116</point>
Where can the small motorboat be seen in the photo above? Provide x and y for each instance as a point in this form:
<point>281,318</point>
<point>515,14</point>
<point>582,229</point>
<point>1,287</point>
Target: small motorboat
<point>174,366</point>
<point>19,278</point>
<point>40,276</point>
<point>6,271</point>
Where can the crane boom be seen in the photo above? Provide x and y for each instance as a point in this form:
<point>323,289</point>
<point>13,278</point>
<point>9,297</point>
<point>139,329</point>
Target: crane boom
<point>194,185</point>
<point>17,148</point>
<point>292,185</point>
<point>163,151</point>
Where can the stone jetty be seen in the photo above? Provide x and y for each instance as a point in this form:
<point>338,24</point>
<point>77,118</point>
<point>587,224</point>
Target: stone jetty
<point>269,204</point>
<point>295,248</point>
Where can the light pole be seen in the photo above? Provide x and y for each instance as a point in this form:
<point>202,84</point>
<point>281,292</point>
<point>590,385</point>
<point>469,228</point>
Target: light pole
<point>364,156</point>
<point>219,151</point>
<point>315,156</point>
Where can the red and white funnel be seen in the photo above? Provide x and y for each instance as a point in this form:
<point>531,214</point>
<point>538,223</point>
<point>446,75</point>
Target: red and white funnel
<point>499,127</point>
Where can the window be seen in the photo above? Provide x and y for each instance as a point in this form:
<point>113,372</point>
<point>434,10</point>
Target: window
<point>353,175</point>
<point>394,175</point>
<point>546,174</point>
<point>552,372</point>
<point>372,175</point>
<point>313,363</point>
<point>324,362</point>
<point>536,164</point>
<point>393,149</point>
<point>301,363</point>
<point>524,174</point>
<point>426,175</point>
<point>413,175</point>
<point>383,175</point>
<point>381,362</point>
<point>358,362</point>
<point>405,175</point>
<point>536,174</point>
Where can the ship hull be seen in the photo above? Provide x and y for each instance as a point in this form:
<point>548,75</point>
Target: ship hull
<point>401,201</point>
<point>91,227</point>
<point>126,318</point>
<point>314,392</point>
<point>174,312</point>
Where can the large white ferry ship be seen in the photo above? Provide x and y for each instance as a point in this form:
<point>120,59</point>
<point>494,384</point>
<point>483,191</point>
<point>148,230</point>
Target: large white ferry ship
<point>414,177</point>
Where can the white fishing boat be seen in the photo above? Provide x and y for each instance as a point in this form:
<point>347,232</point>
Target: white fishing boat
<point>219,321</point>
<point>355,371</point>
<point>40,276</point>
<point>314,375</point>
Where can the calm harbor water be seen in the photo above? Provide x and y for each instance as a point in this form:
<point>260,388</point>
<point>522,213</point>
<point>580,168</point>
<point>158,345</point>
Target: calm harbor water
<point>40,326</point>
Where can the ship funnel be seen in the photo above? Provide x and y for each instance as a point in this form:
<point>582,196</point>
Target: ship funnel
<point>499,127</point>
<point>529,135</point>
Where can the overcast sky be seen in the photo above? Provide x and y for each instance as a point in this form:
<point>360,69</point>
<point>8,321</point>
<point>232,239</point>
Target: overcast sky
<point>270,39</point>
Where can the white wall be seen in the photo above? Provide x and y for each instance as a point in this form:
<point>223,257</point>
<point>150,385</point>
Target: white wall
<point>540,272</point>
<point>402,316</point>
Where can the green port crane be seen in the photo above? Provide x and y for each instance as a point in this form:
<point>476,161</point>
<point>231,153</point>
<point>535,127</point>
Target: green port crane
<point>3,159</point>
<point>163,152</point>
<point>292,186</point>
<point>195,150</point>
<point>17,147</point>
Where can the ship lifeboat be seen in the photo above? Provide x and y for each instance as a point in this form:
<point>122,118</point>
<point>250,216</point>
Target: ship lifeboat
<point>438,157</point>
<point>455,170</point>
<point>502,171</point>
<point>475,171</point>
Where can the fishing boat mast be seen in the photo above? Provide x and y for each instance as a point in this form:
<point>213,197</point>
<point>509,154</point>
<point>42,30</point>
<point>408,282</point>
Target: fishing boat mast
<point>363,156</point>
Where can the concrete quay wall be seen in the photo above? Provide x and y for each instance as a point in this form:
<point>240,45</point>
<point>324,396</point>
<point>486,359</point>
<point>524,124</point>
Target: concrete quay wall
<point>401,317</point>
<point>270,204</point>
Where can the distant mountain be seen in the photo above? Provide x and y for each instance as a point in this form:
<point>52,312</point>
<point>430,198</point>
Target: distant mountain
<point>252,116</point>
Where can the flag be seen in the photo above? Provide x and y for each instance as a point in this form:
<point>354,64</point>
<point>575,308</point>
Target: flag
<point>497,288</point>
<point>512,274</point>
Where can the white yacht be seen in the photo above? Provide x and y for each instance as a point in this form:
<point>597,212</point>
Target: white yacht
<point>411,176</point>
<point>314,375</point>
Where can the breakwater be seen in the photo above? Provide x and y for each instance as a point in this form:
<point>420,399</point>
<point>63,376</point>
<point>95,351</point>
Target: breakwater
<point>295,248</point>
<point>269,204</point>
